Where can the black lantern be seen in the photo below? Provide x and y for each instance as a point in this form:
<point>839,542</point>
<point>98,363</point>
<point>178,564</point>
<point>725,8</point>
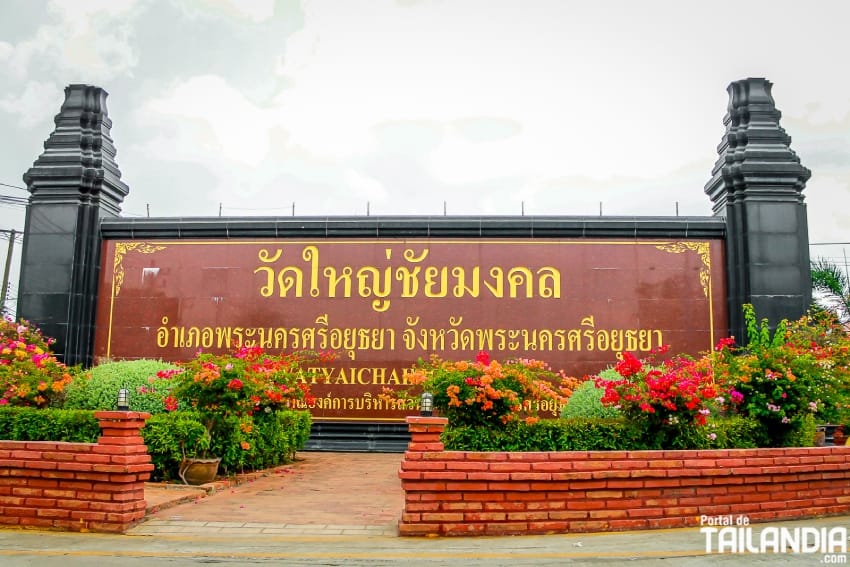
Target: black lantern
<point>123,400</point>
<point>426,404</point>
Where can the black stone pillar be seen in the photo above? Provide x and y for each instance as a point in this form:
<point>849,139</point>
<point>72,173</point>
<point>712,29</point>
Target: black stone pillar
<point>757,185</point>
<point>73,184</point>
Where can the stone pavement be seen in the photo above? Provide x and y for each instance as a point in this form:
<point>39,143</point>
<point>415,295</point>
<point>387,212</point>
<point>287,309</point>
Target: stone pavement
<point>319,494</point>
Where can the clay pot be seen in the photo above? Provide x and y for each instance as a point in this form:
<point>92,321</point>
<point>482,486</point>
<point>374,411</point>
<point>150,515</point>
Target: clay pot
<point>198,471</point>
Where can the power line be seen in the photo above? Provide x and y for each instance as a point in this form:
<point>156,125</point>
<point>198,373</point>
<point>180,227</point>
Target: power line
<point>15,201</point>
<point>13,186</point>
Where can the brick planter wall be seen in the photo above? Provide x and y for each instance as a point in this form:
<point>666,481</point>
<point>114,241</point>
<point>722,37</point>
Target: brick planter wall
<point>78,486</point>
<point>469,493</point>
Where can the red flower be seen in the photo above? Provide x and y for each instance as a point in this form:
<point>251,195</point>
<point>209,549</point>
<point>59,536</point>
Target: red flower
<point>235,384</point>
<point>170,403</point>
<point>483,358</point>
<point>629,366</point>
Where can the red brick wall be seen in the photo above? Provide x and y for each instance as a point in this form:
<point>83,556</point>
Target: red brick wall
<point>467,493</point>
<point>77,486</point>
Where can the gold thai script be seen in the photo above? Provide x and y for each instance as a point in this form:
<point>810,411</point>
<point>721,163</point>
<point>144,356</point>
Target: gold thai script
<point>366,402</point>
<point>302,274</point>
<point>454,337</point>
<point>369,402</point>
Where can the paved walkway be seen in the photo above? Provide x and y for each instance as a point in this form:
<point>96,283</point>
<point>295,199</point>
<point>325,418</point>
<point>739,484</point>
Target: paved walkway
<point>319,494</point>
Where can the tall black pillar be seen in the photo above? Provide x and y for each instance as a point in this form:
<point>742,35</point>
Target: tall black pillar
<point>73,184</point>
<point>757,184</point>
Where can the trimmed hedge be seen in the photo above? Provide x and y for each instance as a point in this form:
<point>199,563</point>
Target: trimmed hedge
<point>32,424</point>
<point>582,434</point>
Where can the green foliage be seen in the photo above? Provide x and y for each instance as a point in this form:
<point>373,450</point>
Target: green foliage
<point>244,443</point>
<point>758,332</point>
<point>735,432</point>
<point>32,424</point>
<point>98,388</point>
<point>589,434</point>
<point>586,401</point>
<point>546,435</point>
<point>832,288</point>
<point>803,435</point>
<point>172,436</point>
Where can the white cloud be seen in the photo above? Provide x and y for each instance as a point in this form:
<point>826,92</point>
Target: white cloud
<point>364,187</point>
<point>35,105</point>
<point>255,11</point>
<point>85,42</point>
<point>455,62</point>
<point>214,117</point>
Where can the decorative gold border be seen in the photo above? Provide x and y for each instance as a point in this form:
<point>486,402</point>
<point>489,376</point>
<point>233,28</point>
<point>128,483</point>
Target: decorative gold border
<point>121,249</point>
<point>704,251</point>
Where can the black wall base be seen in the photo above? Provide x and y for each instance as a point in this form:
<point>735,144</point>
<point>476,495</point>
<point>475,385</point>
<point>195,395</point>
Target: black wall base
<point>359,437</point>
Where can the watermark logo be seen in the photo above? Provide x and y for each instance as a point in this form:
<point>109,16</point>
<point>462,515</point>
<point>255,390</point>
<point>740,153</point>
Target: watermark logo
<point>733,534</point>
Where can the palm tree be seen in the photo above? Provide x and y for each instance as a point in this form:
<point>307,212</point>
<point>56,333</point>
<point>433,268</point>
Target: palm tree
<point>832,288</point>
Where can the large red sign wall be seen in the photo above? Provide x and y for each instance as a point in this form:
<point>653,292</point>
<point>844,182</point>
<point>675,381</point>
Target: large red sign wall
<point>382,304</point>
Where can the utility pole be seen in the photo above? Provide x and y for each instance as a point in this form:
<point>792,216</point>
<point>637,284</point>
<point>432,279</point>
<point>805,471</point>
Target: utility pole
<point>6,272</point>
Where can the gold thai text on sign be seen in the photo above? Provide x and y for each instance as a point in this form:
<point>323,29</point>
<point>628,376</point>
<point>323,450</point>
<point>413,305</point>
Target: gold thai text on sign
<point>293,275</point>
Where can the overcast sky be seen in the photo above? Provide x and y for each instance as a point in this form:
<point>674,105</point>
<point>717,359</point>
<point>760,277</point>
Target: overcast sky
<point>488,106</point>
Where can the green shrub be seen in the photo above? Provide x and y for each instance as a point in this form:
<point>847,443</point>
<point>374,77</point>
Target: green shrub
<point>97,389</point>
<point>31,424</point>
<point>802,435</point>
<point>172,436</point>
<point>245,443</point>
<point>736,432</point>
<point>547,435</point>
<point>593,434</point>
<point>586,402</point>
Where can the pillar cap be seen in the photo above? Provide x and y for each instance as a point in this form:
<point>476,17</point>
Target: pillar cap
<point>122,415</point>
<point>429,420</point>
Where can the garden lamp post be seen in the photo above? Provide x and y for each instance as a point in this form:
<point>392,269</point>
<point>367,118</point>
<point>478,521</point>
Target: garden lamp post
<point>123,400</point>
<point>426,404</point>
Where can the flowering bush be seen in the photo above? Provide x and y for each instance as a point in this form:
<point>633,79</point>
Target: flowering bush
<point>486,392</point>
<point>29,373</point>
<point>669,400</point>
<point>803,370</point>
<point>226,388</point>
